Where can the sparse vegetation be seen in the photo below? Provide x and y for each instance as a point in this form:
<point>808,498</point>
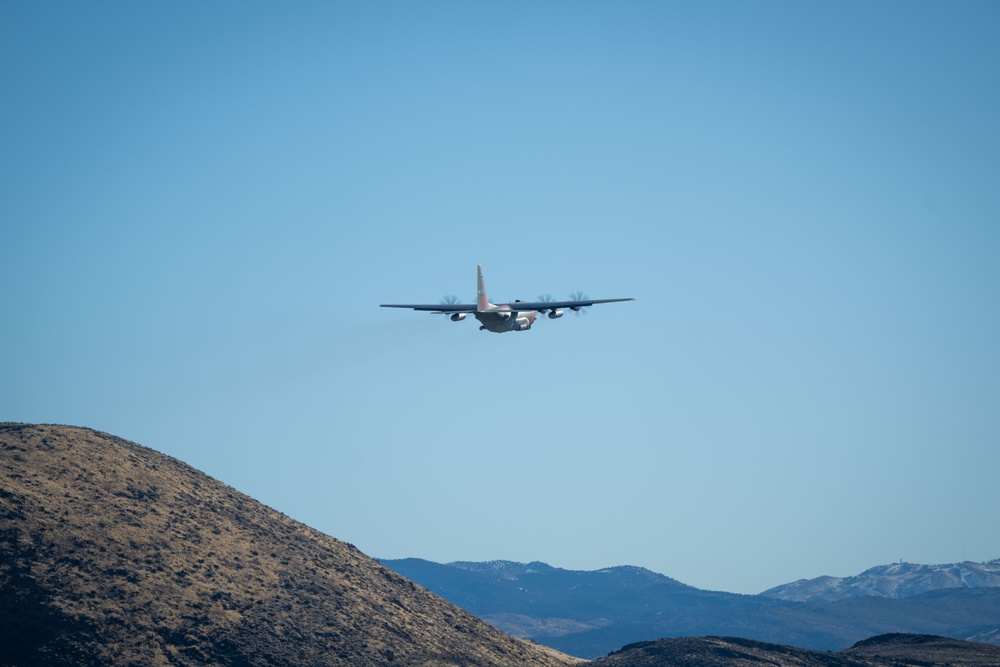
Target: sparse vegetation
<point>114,554</point>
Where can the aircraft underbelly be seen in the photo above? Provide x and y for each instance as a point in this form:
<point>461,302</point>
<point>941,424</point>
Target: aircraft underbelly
<point>505,321</point>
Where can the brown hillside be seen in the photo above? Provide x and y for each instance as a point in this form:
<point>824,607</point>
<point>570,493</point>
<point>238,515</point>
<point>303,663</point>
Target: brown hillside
<point>112,553</point>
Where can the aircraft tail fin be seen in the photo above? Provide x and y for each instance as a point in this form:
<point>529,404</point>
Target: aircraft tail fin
<point>482,301</point>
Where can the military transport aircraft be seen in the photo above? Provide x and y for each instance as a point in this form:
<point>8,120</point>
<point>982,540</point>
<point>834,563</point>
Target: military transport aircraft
<point>499,318</point>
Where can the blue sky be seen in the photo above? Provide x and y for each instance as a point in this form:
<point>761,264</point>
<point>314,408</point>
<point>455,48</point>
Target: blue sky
<point>203,205</point>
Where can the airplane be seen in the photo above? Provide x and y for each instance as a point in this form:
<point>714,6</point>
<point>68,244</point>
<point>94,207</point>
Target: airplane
<point>500,318</point>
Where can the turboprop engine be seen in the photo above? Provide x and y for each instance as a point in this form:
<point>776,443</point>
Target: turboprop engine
<point>555,314</point>
<point>522,324</point>
<point>457,317</point>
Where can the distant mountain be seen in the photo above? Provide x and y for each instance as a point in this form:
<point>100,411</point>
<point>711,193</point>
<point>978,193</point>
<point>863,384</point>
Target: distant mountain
<point>114,554</point>
<point>589,614</point>
<point>890,650</point>
<point>898,580</point>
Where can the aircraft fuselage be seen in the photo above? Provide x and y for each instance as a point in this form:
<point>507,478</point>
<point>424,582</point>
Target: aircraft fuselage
<point>503,318</point>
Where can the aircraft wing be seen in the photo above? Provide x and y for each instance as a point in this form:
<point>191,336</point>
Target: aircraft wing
<point>435,307</point>
<point>543,306</point>
<point>540,306</point>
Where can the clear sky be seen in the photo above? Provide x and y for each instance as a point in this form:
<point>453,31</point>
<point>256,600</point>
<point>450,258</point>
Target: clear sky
<point>203,204</point>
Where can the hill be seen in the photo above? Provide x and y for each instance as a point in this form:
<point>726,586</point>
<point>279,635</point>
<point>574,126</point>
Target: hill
<point>114,554</point>
<point>591,613</point>
<point>536,599</point>
<point>892,650</point>
<point>898,580</point>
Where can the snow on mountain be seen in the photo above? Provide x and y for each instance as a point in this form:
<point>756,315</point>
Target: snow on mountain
<point>626,576</point>
<point>504,569</point>
<point>897,580</point>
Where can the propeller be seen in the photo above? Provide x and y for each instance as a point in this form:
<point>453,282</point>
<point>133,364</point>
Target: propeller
<point>451,300</point>
<point>544,298</point>
<point>579,296</point>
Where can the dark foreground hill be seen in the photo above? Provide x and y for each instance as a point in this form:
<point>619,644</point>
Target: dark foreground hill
<point>892,650</point>
<point>589,614</point>
<point>114,554</point>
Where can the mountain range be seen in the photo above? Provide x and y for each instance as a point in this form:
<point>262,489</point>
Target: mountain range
<point>897,580</point>
<point>590,613</point>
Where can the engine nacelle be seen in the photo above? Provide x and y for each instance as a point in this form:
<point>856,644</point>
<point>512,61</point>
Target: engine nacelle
<point>522,324</point>
<point>457,317</point>
<point>555,314</point>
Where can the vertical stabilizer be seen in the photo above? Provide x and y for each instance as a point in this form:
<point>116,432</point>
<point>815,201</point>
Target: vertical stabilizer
<point>482,301</point>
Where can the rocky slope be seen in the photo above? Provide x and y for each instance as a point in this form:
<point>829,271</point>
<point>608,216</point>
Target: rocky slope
<point>114,554</point>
